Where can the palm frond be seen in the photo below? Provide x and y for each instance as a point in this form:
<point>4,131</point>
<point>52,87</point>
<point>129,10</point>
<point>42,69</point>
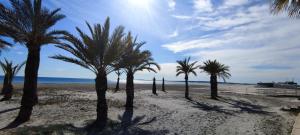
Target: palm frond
<point>74,61</point>
<point>97,51</point>
<point>216,68</point>
<point>184,66</point>
<point>292,7</point>
<point>29,23</point>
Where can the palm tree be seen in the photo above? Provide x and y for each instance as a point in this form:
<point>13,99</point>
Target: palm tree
<point>163,85</point>
<point>215,70</point>
<point>185,67</point>
<point>97,52</point>
<point>10,70</point>
<point>154,86</point>
<point>28,23</point>
<point>132,61</point>
<point>291,6</point>
<point>118,72</point>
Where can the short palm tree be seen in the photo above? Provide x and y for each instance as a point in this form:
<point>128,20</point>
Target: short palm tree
<point>291,6</point>
<point>132,61</point>
<point>10,70</point>
<point>185,67</point>
<point>118,72</point>
<point>215,70</point>
<point>97,52</point>
<point>28,23</point>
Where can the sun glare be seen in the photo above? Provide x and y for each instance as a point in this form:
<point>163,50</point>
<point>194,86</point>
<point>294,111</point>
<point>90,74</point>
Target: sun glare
<point>141,4</point>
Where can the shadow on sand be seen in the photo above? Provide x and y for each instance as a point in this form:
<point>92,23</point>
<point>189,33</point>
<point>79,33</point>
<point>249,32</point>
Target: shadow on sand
<point>9,110</point>
<point>285,96</point>
<point>207,107</point>
<point>244,106</point>
<point>126,126</point>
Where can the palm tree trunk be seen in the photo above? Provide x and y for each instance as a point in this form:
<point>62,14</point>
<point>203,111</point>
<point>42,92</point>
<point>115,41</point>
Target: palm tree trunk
<point>129,90</point>
<point>5,84</point>
<point>214,86</point>
<point>118,83</point>
<point>154,87</point>
<point>163,85</point>
<point>101,87</point>
<point>8,92</point>
<point>30,98</point>
<point>186,86</point>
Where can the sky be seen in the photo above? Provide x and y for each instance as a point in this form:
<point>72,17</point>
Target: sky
<point>243,34</point>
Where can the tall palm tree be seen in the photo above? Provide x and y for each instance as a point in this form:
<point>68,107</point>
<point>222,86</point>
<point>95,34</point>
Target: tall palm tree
<point>185,67</point>
<point>215,70</point>
<point>291,6</point>
<point>28,23</point>
<point>132,61</point>
<point>97,52</point>
<point>10,70</point>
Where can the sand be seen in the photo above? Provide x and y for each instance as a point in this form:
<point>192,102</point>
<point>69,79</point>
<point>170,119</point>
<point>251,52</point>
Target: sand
<point>241,110</point>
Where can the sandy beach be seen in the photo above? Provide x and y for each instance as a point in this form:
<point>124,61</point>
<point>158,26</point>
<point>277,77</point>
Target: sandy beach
<point>68,108</point>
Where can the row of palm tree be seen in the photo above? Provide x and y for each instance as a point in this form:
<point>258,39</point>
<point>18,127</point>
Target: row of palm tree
<point>103,54</point>
<point>30,24</point>
<point>213,68</point>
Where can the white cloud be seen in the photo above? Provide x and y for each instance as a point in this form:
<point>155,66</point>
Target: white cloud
<point>203,5</point>
<point>168,71</point>
<point>245,39</point>
<point>174,34</point>
<point>182,17</point>
<point>171,4</point>
<point>233,3</point>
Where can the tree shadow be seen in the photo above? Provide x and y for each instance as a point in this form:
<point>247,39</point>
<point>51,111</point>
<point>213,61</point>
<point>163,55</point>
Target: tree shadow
<point>244,106</point>
<point>129,124</point>
<point>9,110</point>
<point>284,96</point>
<point>50,129</point>
<point>126,126</point>
<point>207,107</point>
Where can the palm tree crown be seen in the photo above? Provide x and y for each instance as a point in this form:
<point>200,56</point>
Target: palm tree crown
<point>185,67</point>
<point>134,59</point>
<point>291,6</point>
<point>29,23</point>
<point>96,52</point>
<point>216,68</point>
<point>10,69</point>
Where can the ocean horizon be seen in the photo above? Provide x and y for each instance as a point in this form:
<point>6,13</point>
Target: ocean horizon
<point>63,80</point>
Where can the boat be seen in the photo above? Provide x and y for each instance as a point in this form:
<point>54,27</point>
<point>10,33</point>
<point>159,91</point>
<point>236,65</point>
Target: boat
<point>287,85</point>
<point>267,85</point>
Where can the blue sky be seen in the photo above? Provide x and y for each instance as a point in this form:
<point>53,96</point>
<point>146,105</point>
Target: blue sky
<point>242,34</point>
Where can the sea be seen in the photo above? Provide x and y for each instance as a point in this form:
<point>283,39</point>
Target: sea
<point>53,80</point>
<point>60,80</point>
